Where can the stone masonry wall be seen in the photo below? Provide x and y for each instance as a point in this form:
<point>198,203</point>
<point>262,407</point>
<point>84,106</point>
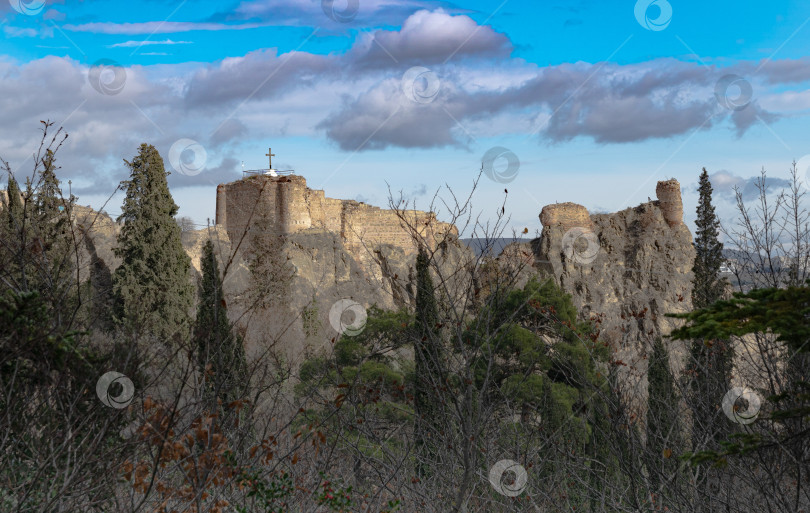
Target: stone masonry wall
<point>293,207</point>
<point>567,215</point>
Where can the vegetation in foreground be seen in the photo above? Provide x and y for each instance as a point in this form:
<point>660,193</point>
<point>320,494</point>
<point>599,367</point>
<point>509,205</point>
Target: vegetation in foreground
<point>416,412</point>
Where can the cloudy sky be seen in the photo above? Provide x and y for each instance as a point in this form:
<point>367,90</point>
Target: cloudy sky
<point>585,101</point>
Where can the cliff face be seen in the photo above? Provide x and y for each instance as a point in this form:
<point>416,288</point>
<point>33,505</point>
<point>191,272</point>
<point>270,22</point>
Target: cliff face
<point>625,270</point>
<point>360,262</point>
<point>288,206</point>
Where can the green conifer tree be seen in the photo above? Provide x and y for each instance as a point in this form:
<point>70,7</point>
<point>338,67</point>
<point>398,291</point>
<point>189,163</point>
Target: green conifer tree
<point>427,360</point>
<point>663,421</point>
<point>13,240</point>
<point>221,355</point>
<point>52,242</point>
<point>13,214</point>
<point>152,290</point>
<point>708,285</point>
<point>708,369</point>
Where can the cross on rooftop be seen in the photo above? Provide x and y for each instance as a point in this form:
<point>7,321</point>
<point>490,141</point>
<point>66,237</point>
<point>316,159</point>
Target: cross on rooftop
<point>270,156</point>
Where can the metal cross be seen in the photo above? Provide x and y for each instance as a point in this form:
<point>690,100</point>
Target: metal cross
<point>270,156</point>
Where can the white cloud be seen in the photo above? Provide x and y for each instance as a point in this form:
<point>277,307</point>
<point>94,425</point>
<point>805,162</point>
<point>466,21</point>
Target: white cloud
<point>483,93</point>
<point>10,31</point>
<point>430,37</point>
<point>133,44</point>
<point>156,27</point>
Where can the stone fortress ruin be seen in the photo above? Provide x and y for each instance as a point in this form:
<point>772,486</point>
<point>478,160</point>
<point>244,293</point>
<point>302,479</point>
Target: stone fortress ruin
<point>639,268</point>
<point>569,215</point>
<point>642,256</point>
<point>337,249</point>
<point>289,206</point>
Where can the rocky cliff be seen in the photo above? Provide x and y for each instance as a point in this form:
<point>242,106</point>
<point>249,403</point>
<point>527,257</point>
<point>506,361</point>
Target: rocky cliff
<point>624,270</point>
<point>319,266</point>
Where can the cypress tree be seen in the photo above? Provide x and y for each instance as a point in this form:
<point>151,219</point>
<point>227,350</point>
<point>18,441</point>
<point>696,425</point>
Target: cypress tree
<point>708,286</point>
<point>152,290</point>
<point>663,420</point>
<point>52,244</point>
<point>708,369</point>
<point>13,238</point>
<point>221,355</point>
<point>427,362</point>
<point>13,213</point>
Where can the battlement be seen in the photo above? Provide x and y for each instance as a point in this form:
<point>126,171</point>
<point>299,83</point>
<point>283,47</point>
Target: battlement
<point>290,206</point>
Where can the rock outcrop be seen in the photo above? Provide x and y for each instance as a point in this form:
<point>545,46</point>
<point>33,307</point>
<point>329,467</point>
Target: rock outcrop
<point>336,249</point>
<point>624,270</point>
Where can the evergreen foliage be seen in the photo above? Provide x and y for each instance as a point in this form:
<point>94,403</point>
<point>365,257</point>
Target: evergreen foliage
<point>781,312</point>
<point>13,215</point>
<point>708,369</point>
<point>709,286</point>
<point>503,364</point>
<point>53,242</point>
<point>428,362</point>
<point>221,354</point>
<point>663,420</point>
<point>14,234</point>
<point>152,290</point>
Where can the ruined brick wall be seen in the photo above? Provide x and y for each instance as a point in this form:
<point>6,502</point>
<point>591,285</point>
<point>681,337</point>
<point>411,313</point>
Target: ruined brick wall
<point>293,207</point>
<point>324,212</point>
<point>294,212</point>
<point>371,226</point>
<point>245,200</point>
<point>221,215</point>
<point>669,196</point>
<point>567,215</point>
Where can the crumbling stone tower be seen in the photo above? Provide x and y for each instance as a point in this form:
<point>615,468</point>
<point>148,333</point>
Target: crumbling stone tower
<point>669,196</point>
<point>566,215</point>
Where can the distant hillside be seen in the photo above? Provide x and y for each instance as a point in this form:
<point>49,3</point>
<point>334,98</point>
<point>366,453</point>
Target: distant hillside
<point>495,245</point>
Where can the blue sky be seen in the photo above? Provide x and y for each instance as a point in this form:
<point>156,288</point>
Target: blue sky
<point>593,102</point>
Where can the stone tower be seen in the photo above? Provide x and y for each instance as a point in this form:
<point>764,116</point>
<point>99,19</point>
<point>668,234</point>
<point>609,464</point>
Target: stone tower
<point>669,195</point>
<point>567,215</point>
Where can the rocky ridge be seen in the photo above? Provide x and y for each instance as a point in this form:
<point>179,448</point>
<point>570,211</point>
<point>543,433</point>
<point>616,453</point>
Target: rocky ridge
<point>624,270</point>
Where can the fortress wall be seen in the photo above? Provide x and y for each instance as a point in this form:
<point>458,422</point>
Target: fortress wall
<point>293,207</point>
<point>669,196</point>
<point>352,230</point>
<point>239,200</point>
<point>567,215</point>
<point>222,199</point>
<point>324,212</point>
<point>383,227</point>
<point>380,226</point>
<point>314,204</point>
<point>332,210</point>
